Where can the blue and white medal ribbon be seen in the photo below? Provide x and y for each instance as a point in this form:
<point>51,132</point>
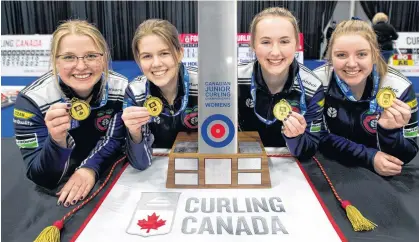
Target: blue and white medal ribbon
<point>348,93</point>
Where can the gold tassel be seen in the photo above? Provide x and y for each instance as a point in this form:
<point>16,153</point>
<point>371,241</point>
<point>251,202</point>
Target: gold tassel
<point>358,221</point>
<point>50,233</point>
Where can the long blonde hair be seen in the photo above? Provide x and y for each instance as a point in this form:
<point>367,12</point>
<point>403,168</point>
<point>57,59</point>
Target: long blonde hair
<point>80,27</point>
<point>273,12</point>
<point>363,29</point>
<point>161,28</point>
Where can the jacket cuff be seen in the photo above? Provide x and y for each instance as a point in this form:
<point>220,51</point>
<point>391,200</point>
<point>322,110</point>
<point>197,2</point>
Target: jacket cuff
<point>292,143</point>
<point>370,158</point>
<point>387,132</point>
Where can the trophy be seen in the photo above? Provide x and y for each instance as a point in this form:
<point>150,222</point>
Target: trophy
<point>218,156</point>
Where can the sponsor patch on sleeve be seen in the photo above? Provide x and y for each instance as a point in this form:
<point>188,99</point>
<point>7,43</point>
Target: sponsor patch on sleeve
<point>22,122</point>
<point>22,114</point>
<point>410,132</point>
<point>321,103</point>
<point>315,127</point>
<point>413,103</point>
<point>27,141</point>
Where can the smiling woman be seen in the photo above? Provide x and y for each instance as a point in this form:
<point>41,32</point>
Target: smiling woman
<point>370,109</point>
<point>159,103</point>
<point>351,58</point>
<point>278,97</point>
<point>79,63</point>
<point>74,112</point>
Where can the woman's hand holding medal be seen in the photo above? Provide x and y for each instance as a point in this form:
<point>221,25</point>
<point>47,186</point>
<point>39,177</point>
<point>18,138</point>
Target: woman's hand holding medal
<point>294,123</point>
<point>134,118</point>
<point>57,120</point>
<point>396,113</point>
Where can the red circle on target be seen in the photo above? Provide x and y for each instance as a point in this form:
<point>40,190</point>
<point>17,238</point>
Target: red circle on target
<point>217,131</point>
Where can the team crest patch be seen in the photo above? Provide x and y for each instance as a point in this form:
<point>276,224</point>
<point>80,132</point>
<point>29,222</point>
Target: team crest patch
<point>103,119</point>
<point>369,122</point>
<point>190,117</point>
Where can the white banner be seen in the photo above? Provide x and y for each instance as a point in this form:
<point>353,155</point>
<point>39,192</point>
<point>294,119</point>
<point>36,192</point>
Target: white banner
<point>139,207</point>
<point>25,55</point>
<point>406,58</point>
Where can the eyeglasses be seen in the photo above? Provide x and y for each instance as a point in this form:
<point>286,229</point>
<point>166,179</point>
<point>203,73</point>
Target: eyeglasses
<point>90,58</point>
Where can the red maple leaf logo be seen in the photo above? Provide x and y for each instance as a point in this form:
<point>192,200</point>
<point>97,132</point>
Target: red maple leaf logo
<point>152,222</point>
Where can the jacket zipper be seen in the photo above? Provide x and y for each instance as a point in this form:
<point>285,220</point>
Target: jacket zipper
<point>172,111</point>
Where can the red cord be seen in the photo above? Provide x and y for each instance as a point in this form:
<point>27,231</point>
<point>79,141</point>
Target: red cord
<point>280,155</point>
<point>74,210</point>
<point>160,154</point>
<point>328,180</point>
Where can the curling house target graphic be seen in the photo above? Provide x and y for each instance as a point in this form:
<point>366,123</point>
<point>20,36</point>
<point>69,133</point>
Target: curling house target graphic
<point>217,131</point>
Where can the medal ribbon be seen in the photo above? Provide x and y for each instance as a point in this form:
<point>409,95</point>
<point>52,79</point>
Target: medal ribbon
<point>303,106</point>
<point>348,93</point>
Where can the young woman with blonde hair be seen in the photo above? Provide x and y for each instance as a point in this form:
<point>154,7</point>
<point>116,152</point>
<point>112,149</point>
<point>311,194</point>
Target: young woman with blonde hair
<point>164,100</point>
<point>370,108</point>
<point>68,122</point>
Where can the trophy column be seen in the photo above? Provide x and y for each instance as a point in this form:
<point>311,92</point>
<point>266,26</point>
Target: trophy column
<point>218,156</point>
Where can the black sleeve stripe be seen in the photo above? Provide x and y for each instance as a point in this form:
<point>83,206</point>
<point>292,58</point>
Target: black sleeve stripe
<point>37,82</point>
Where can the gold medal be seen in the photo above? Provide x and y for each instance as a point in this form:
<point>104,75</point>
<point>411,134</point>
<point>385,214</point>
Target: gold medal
<point>154,106</point>
<point>385,97</point>
<point>80,109</point>
<point>282,109</point>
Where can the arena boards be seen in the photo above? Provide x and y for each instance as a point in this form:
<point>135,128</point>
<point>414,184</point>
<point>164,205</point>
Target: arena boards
<point>138,207</point>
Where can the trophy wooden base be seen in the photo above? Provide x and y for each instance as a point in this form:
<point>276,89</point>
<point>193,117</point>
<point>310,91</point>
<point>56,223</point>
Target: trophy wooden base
<point>247,169</point>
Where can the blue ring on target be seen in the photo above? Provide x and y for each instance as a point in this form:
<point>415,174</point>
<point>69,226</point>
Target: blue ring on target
<point>224,142</point>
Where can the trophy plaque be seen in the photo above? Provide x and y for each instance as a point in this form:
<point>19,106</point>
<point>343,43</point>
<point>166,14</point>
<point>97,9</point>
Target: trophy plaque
<point>247,168</point>
<point>218,156</point>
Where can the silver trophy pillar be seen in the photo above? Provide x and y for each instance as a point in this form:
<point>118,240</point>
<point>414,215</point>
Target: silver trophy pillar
<point>217,62</point>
